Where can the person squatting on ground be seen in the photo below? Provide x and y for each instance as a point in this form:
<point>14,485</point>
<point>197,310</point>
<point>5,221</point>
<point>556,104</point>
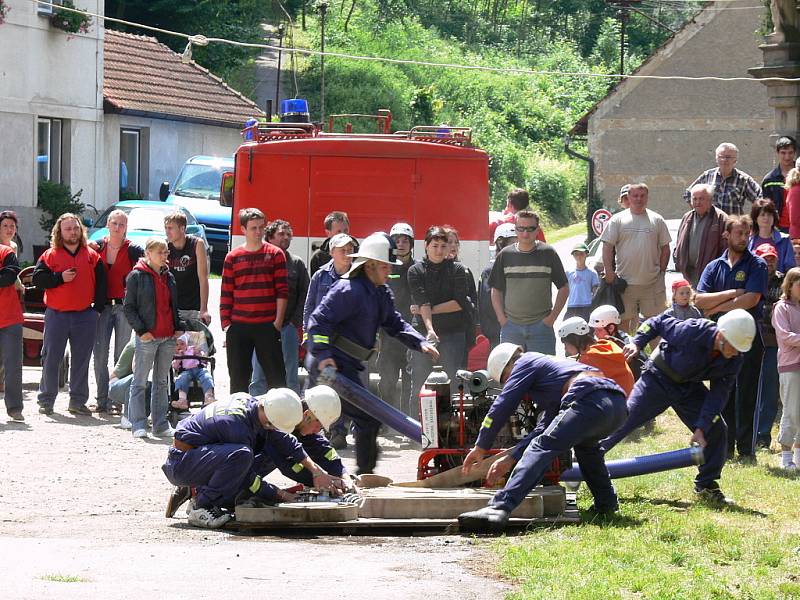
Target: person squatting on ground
<point>151,306</point>
<point>215,451</point>
<point>189,370</point>
<point>393,364</point>
<point>120,380</point>
<point>522,278</point>
<point>11,332</point>
<point>74,280</point>
<point>682,306</point>
<point>279,233</point>
<point>440,296</point>
<point>252,304</point>
<point>604,355</point>
<point>118,255</point>
<point>343,328</point>
<point>690,353</point>
<point>580,408</point>
<point>786,320</point>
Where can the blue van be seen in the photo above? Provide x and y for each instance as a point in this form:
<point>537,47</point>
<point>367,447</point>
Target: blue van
<point>197,189</point>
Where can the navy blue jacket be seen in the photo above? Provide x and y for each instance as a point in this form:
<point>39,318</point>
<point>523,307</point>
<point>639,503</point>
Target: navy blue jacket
<point>541,376</point>
<point>688,349</point>
<point>749,273</point>
<point>772,188</point>
<point>235,421</point>
<point>320,283</point>
<point>356,309</point>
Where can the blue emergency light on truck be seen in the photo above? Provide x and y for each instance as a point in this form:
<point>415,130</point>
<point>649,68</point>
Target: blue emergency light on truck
<point>197,189</point>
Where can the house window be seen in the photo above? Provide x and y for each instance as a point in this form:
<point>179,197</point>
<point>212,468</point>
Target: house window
<point>129,162</point>
<point>46,9</point>
<point>49,138</point>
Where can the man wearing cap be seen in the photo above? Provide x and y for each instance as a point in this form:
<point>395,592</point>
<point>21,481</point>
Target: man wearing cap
<point>637,238</point>
<point>737,279</point>
<point>700,234</point>
<point>215,450</point>
<point>393,357</point>
<point>504,235</point>
<point>343,328</point>
<point>583,282</point>
<point>623,196</point>
<point>690,353</point>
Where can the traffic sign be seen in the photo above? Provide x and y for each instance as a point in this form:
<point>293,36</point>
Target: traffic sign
<point>599,219</point>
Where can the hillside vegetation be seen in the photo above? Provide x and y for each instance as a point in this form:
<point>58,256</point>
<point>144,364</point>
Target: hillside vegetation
<point>519,119</point>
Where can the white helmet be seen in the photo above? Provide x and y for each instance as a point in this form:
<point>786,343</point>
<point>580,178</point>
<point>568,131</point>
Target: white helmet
<point>324,402</point>
<point>401,229</point>
<point>603,316</point>
<point>283,408</point>
<point>738,328</point>
<point>505,230</point>
<point>499,359</point>
<point>377,246</point>
<point>573,325</point>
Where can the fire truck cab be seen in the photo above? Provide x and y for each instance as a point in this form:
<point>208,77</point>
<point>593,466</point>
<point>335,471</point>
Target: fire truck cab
<point>425,176</point>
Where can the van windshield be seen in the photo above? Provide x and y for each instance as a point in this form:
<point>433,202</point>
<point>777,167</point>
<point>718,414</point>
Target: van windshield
<point>200,181</point>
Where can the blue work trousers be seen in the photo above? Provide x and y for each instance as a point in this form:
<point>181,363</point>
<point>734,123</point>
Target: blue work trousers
<point>534,337</point>
<point>78,328</point>
<point>580,426</point>
<point>218,471</point>
<point>290,345</point>
<point>156,355</point>
<point>266,462</point>
<point>11,351</point>
<point>652,395</point>
<point>199,374</point>
<point>769,395</point>
<point>111,321</point>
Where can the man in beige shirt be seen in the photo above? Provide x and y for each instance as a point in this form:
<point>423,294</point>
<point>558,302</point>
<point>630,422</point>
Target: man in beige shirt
<point>640,240</point>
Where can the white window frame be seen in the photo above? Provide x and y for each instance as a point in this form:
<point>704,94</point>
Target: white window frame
<point>46,10</point>
<point>138,134</point>
<point>49,121</point>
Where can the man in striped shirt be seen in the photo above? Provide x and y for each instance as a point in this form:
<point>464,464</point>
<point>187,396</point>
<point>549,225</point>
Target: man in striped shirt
<point>252,304</point>
<point>732,187</point>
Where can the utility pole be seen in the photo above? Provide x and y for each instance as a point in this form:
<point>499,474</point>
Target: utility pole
<point>323,9</point>
<point>623,7</point>
<point>278,80</point>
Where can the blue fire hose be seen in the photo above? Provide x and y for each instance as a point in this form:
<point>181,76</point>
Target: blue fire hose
<point>643,465</point>
<point>364,400</point>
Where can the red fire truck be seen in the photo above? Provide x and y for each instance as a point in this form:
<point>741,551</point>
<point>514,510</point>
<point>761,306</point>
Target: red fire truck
<point>425,176</point>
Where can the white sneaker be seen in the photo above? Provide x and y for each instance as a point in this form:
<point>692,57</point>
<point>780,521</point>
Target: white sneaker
<point>168,432</point>
<point>124,423</point>
<point>208,518</point>
<point>790,467</point>
<point>140,433</point>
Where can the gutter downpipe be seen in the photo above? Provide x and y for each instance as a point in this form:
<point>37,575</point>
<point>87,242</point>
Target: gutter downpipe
<point>590,235</point>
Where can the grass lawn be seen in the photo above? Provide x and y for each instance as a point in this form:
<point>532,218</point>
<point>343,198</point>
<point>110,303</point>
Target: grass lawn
<point>556,235</point>
<point>664,545</point>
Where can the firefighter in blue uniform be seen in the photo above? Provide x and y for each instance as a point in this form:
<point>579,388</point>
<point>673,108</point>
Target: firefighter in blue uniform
<point>690,352</point>
<point>580,407</point>
<point>342,332</point>
<point>216,451</point>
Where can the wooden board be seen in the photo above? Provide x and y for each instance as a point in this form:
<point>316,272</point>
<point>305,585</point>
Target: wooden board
<point>297,512</point>
<point>454,477</point>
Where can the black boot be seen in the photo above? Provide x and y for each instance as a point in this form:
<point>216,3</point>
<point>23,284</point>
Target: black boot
<point>488,519</point>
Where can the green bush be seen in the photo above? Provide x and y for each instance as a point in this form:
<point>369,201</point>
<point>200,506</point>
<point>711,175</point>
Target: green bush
<point>555,186</point>
<point>55,199</point>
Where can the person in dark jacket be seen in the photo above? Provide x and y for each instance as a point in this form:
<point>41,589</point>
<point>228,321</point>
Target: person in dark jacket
<point>393,357</point>
<point>74,280</point>
<point>504,235</point>
<point>439,293</point>
<point>335,222</point>
<point>279,233</point>
<point>151,307</point>
<point>772,186</point>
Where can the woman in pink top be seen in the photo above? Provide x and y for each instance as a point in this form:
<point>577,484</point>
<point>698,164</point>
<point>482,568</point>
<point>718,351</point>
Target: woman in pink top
<point>786,321</point>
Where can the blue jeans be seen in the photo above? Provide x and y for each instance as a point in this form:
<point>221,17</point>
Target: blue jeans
<point>78,328</point>
<point>111,320</point>
<point>156,355</point>
<point>198,374</point>
<point>592,415</point>
<point>11,351</point>
<point>535,337</point>
<point>119,392</point>
<point>451,350</point>
<point>290,345</point>
<point>769,395</point>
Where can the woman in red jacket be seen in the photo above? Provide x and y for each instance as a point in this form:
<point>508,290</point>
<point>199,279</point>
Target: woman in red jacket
<point>10,321</point>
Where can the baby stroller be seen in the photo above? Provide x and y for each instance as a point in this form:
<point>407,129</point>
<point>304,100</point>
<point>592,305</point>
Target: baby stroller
<point>203,341</point>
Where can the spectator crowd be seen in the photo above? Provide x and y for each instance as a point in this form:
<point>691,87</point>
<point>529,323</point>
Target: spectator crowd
<point>736,248</point>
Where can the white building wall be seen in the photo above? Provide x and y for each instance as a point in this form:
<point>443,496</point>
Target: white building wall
<point>45,72</point>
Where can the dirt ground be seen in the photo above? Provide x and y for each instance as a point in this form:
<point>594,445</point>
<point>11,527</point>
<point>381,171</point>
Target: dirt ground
<point>82,516</point>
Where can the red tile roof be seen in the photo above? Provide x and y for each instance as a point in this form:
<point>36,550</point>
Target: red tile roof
<point>143,76</point>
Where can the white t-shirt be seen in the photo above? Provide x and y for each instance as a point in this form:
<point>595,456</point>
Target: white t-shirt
<point>637,240</point>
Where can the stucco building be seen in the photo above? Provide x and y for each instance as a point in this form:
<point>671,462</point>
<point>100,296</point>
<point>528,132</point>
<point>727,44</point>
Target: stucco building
<point>664,132</point>
<point>101,112</point>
